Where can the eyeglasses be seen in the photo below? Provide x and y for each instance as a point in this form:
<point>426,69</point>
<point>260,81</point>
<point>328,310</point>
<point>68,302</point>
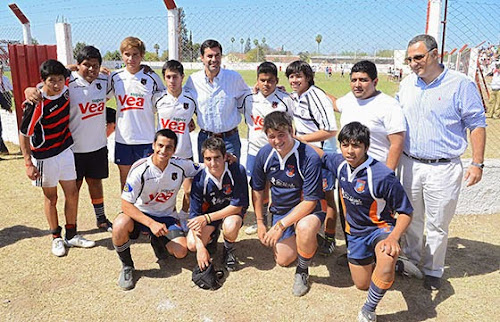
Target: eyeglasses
<point>418,58</point>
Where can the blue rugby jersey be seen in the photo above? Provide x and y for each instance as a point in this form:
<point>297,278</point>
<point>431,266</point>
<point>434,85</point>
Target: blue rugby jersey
<point>294,178</point>
<point>209,194</point>
<point>371,194</point>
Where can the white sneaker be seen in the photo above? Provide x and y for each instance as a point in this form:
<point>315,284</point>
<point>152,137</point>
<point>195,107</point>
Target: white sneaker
<point>251,230</point>
<point>365,316</point>
<point>58,248</point>
<point>80,241</point>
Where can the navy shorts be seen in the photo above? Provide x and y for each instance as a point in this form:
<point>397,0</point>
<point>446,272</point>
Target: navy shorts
<point>92,164</point>
<point>290,230</point>
<point>173,226</point>
<point>361,249</point>
<point>127,154</point>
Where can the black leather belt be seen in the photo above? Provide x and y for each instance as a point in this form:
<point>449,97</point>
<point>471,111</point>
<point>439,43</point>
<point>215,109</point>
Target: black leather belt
<point>428,161</point>
<point>220,135</point>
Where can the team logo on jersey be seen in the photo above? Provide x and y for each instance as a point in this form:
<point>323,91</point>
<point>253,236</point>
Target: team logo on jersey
<point>360,185</point>
<point>196,166</point>
<point>174,176</point>
<point>226,189</point>
<point>127,188</point>
<point>98,85</point>
<point>66,95</point>
<point>290,170</point>
<point>275,104</point>
<point>143,81</point>
<point>186,106</point>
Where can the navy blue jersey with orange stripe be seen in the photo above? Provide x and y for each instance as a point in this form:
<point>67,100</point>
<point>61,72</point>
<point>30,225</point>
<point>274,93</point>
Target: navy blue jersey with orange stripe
<point>294,178</point>
<point>47,125</point>
<point>371,194</point>
<point>208,194</point>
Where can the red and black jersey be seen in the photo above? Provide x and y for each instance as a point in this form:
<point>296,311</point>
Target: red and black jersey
<point>47,124</point>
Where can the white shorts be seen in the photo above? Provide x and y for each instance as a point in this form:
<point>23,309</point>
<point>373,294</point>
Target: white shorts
<point>52,170</point>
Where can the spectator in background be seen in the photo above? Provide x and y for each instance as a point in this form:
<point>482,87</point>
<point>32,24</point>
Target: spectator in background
<point>5,103</point>
<point>494,104</point>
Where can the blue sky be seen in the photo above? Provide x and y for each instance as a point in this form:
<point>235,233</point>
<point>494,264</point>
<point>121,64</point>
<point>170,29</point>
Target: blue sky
<point>364,25</point>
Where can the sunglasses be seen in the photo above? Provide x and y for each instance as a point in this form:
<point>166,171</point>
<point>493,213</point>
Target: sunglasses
<point>418,58</point>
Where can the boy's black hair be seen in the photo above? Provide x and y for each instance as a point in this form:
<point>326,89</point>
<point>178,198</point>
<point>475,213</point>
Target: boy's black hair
<point>168,133</point>
<point>278,121</point>
<point>172,65</point>
<point>355,132</point>
<point>88,52</point>
<point>267,68</point>
<point>52,67</point>
<point>301,66</point>
<point>365,66</point>
<point>210,43</point>
<point>213,144</point>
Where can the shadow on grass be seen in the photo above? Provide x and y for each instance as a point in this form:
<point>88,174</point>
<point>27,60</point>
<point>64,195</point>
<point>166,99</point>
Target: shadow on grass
<point>464,258</point>
<point>12,235</point>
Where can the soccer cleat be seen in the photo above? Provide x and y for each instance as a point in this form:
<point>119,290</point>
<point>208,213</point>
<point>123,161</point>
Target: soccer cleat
<point>251,230</point>
<point>58,248</point>
<point>405,267</point>
<point>326,246</point>
<point>366,316</point>
<point>342,260</point>
<point>229,260</point>
<point>105,225</point>
<point>301,284</point>
<point>158,244</point>
<point>79,241</point>
<point>432,283</point>
<point>126,279</point>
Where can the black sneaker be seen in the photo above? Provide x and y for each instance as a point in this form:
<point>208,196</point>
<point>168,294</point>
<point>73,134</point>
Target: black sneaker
<point>105,225</point>
<point>229,260</point>
<point>326,246</point>
<point>432,283</point>
<point>158,244</point>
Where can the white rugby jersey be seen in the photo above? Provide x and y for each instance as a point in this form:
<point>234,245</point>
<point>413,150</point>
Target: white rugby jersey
<point>87,115</point>
<point>381,113</point>
<point>313,111</point>
<point>255,107</point>
<point>175,113</point>
<point>153,191</point>
<point>135,121</point>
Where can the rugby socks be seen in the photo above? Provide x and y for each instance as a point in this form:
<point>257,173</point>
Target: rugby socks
<point>99,210</point>
<point>124,253</point>
<point>229,246</point>
<point>303,265</point>
<point>376,292</point>
<point>330,236</point>
<point>70,231</point>
<point>56,233</point>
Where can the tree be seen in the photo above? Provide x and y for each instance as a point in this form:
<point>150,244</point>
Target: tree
<point>256,43</point>
<point>242,41</point>
<point>184,48</point>
<point>248,46</point>
<point>78,47</point>
<point>251,56</point>
<point>150,56</point>
<point>319,38</point>
<point>164,56</point>
<point>305,56</point>
<point>157,48</point>
<point>113,55</point>
<point>263,41</point>
<point>232,42</point>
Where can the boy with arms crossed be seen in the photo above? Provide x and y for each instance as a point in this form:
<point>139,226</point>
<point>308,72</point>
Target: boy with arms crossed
<point>45,141</point>
<point>293,170</point>
<point>255,107</point>
<point>219,197</point>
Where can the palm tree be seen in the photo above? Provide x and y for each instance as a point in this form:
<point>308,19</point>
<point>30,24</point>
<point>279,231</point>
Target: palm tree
<point>232,42</point>
<point>319,38</point>
<point>256,43</point>
<point>242,41</point>
<point>157,48</point>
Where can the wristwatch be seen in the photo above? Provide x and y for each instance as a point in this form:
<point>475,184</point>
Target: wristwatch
<point>479,165</point>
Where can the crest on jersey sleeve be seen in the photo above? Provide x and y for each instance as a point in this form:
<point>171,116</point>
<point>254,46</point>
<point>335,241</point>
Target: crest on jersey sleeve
<point>186,106</point>
<point>98,85</point>
<point>127,188</point>
<point>143,81</point>
<point>360,185</point>
<point>174,176</point>
<point>274,104</point>
<point>290,170</point>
